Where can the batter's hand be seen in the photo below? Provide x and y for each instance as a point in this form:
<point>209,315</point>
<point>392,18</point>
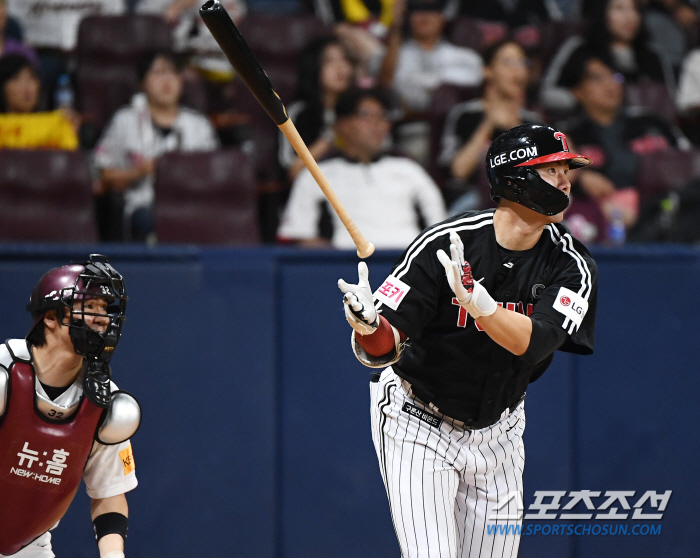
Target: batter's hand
<point>359,303</point>
<point>472,296</point>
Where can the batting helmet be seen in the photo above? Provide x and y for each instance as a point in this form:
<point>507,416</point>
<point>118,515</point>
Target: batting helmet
<point>60,288</point>
<point>510,161</point>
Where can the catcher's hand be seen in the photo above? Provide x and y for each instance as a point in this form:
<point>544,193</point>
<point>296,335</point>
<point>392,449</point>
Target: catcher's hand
<point>359,303</point>
<point>470,294</point>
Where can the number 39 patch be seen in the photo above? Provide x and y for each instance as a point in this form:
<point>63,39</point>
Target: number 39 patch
<point>572,305</point>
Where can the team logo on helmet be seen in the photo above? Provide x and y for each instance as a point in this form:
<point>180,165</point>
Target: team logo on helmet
<point>562,138</point>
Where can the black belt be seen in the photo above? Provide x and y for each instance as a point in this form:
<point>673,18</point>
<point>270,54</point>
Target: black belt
<point>469,423</point>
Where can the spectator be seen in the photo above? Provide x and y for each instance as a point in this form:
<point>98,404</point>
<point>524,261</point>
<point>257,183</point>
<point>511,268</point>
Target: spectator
<point>616,35</point>
<point>153,124</point>
<point>325,72</point>
<point>688,96</point>
<point>53,24</point>
<point>191,34</point>
<point>362,26</point>
<point>613,137</point>
<point>470,126</point>
<point>10,44</point>
<point>21,127</point>
<point>669,23</point>
<point>386,195</point>
<point>417,66</point>
<point>171,10</point>
<point>51,27</point>
<point>514,13</point>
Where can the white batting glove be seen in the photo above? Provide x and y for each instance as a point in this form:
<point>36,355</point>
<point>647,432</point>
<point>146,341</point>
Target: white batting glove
<point>472,296</point>
<point>359,303</point>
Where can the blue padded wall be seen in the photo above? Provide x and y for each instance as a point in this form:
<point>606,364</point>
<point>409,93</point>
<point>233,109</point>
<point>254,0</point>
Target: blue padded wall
<point>255,440</point>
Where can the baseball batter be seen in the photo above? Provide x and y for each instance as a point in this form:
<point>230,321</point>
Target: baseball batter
<point>61,417</point>
<point>470,316</point>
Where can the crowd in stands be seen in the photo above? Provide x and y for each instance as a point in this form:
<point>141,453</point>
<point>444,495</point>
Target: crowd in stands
<point>398,100</point>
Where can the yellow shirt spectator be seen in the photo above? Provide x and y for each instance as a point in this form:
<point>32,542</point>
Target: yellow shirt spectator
<point>50,130</point>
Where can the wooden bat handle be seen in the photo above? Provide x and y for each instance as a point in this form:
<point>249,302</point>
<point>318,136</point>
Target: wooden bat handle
<point>364,248</point>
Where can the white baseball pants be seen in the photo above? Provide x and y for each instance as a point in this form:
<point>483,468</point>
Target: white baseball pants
<point>443,481</point>
<point>39,548</point>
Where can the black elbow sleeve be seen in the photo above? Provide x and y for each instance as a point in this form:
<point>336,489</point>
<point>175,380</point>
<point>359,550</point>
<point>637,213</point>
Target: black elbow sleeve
<point>545,339</point>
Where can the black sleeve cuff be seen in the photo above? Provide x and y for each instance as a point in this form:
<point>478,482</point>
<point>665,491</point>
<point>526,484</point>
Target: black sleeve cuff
<point>545,339</point>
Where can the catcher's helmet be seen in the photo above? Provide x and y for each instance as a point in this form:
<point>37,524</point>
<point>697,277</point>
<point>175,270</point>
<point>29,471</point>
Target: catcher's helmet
<point>510,161</point>
<point>62,287</point>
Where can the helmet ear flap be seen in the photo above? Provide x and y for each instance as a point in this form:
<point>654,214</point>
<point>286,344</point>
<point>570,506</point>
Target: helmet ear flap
<point>518,180</point>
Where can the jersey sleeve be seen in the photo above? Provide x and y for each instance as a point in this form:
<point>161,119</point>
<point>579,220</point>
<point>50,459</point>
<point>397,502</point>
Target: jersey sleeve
<point>408,298</point>
<point>570,301</point>
<point>110,470</point>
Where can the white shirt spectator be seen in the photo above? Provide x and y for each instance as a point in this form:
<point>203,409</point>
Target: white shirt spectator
<point>382,197</point>
<point>419,72</point>
<point>191,35</point>
<point>132,137</point>
<point>54,23</point>
<point>688,95</point>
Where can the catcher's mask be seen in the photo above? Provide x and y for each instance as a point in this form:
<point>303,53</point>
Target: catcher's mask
<point>510,167</point>
<point>62,287</point>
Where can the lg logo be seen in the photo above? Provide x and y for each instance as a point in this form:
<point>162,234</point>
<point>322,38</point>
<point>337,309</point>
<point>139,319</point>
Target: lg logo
<point>566,302</point>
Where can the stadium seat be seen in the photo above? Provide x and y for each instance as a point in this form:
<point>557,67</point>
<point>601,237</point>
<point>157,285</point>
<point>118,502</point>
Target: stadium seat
<point>476,33</point>
<point>554,33</point>
<point>45,196</point>
<point>109,47</point>
<point>279,37</point>
<point>206,198</point>
<point>444,98</point>
<point>651,96</point>
<point>121,39</point>
<point>102,90</point>
<point>666,171</point>
<point>277,41</point>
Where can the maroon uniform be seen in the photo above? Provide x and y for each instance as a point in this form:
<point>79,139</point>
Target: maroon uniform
<point>41,463</point>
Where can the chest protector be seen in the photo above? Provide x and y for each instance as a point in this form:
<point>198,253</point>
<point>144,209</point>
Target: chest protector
<point>41,461</point>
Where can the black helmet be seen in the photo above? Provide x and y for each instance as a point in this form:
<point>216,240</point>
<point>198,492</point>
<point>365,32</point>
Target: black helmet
<point>510,161</point>
<point>63,286</point>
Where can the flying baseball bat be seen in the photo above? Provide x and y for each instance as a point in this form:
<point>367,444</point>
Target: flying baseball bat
<point>243,60</point>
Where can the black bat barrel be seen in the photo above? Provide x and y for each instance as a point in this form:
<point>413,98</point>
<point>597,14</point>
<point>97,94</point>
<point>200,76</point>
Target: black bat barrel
<point>238,52</point>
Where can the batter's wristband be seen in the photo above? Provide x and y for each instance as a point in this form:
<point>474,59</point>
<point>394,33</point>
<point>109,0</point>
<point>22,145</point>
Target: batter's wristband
<point>110,523</point>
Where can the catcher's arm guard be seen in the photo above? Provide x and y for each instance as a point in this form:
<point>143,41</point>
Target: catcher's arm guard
<point>4,389</point>
<point>121,419</point>
<point>378,361</point>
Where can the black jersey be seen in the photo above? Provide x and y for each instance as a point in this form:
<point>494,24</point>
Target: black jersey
<point>448,359</point>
